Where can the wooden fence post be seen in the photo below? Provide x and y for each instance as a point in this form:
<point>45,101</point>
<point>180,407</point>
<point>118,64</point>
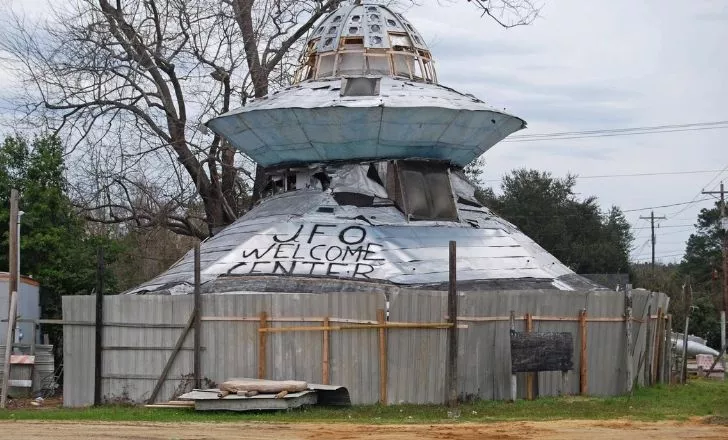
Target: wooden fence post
<point>529,376</point>
<point>667,368</point>
<point>99,326</point>
<point>325,374</point>
<point>583,370</point>
<point>382,319</point>
<point>659,347</point>
<point>197,362</point>
<point>262,346</point>
<point>452,332</point>
<point>649,346</point>
<point>514,379</point>
<point>628,337</point>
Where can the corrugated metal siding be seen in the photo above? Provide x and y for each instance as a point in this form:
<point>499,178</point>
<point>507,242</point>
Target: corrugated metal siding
<point>416,357</point>
<point>78,353</point>
<point>230,348</point>
<point>42,370</point>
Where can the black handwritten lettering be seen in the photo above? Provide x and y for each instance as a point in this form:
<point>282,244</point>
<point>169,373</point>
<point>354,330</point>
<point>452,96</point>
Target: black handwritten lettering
<point>362,235</point>
<point>314,248</point>
<point>330,270</point>
<point>230,271</point>
<point>355,252</point>
<point>369,251</point>
<point>359,270</point>
<point>292,238</point>
<point>314,231</point>
<point>280,248</point>
<point>255,264</point>
<point>256,252</point>
<point>333,256</point>
<point>284,271</point>
<point>295,253</point>
<point>313,265</point>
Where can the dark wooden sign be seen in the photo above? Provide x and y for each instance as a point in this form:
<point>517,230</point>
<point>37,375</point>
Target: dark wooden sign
<point>541,352</point>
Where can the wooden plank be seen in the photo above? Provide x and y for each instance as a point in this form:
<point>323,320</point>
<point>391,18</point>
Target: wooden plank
<point>583,370</point>
<point>381,317</point>
<point>22,359</point>
<point>20,383</point>
<point>325,353</point>
<point>649,348</point>
<point>529,376</point>
<point>287,319</point>
<point>659,347</point>
<point>170,361</point>
<point>391,325</point>
<point>262,345</point>
<point>8,348</point>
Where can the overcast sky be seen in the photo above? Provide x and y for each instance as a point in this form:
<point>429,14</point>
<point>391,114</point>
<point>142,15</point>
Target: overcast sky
<point>587,65</point>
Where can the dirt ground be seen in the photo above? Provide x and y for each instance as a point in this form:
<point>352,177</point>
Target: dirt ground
<point>563,429</point>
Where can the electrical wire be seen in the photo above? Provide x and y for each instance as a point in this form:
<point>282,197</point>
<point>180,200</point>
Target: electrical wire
<point>565,135</point>
<point>605,176</point>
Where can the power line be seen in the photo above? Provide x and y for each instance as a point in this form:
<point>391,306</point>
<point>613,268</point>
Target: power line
<point>604,176</point>
<point>699,192</point>
<point>665,206</point>
<point>669,226</point>
<point>565,135</point>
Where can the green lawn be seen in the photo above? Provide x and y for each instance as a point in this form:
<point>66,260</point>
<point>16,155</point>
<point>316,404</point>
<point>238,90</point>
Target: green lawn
<point>698,398</point>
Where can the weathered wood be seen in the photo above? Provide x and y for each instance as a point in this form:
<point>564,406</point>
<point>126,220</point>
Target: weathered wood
<point>99,327</point>
<point>628,359</point>
<point>325,350</point>
<point>564,391</point>
<point>263,386</point>
<point>541,351</point>
<point>8,348</point>
<point>262,345</point>
<point>514,380</point>
<point>715,362</point>
<point>381,317</point>
<point>583,367</point>
<point>287,319</point>
<point>659,347</point>
<point>649,347</point>
<point>529,376</point>
<point>390,325</point>
<point>172,357</point>
<point>452,334</point>
<point>197,360</point>
<point>667,368</point>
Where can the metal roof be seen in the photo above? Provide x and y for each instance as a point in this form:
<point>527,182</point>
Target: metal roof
<point>312,122</point>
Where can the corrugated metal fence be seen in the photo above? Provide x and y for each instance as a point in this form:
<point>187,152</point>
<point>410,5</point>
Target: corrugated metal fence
<point>140,332</point>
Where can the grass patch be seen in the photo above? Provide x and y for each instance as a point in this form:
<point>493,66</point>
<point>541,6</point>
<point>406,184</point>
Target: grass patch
<point>700,398</point>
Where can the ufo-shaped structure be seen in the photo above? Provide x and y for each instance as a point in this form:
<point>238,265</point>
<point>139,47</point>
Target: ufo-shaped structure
<point>363,159</point>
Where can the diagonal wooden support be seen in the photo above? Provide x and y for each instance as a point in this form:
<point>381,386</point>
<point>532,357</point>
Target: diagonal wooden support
<point>172,357</point>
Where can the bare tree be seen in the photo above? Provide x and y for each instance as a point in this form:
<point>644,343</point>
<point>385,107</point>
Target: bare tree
<point>129,83</point>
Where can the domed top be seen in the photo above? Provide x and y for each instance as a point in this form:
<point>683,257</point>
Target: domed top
<point>366,39</point>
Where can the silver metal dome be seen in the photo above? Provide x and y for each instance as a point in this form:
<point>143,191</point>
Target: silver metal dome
<point>366,39</point>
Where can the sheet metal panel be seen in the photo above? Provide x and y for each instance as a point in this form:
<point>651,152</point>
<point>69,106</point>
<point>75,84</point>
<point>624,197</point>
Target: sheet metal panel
<point>303,123</point>
<point>416,357</point>
<point>78,359</point>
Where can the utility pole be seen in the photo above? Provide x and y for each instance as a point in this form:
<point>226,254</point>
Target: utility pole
<point>724,226</point>
<point>652,219</point>
<point>12,293</point>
